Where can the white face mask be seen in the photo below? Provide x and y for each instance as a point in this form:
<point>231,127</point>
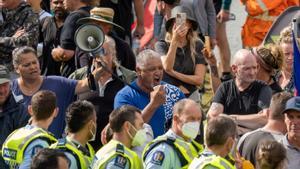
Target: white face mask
<point>139,138</point>
<point>191,129</point>
<point>93,134</point>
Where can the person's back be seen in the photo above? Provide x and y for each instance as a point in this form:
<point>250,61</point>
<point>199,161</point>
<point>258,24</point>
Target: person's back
<point>21,145</point>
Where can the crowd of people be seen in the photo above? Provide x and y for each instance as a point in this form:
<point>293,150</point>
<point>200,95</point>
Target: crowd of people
<point>117,107</point>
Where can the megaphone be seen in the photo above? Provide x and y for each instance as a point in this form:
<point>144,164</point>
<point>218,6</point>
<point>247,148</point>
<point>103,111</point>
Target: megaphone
<point>89,38</point>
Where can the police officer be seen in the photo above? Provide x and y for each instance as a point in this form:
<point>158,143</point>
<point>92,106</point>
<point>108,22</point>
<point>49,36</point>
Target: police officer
<point>21,145</point>
<point>126,123</point>
<point>176,148</point>
<point>81,127</point>
<point>220,138</point>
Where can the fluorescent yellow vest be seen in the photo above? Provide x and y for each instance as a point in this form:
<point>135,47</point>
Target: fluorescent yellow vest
<point>185,156</point>
<point>110,150</point>
<point>215,161</point>
<point>83,159</point>
<point>16,143</point>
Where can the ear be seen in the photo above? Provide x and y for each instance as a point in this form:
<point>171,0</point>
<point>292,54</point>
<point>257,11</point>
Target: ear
<point>30,110</point>
<point>17,70</point>
<point>234,68</point>
<point>126,125</point>
<point>56,110</point>
<point>138,71</point>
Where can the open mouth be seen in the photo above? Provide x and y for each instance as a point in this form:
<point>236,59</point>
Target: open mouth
<point>156,80</point>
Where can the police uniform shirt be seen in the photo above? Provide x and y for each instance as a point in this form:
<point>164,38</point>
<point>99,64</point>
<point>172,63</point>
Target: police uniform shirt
<point>118,162</point>
<point>34,147</point>
<point>163,156</point>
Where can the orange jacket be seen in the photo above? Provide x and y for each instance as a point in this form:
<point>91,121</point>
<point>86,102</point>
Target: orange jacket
<point>261,14</point>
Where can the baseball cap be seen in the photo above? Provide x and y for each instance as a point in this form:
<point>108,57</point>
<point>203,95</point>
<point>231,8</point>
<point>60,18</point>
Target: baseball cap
<point>4,74</point>
<point>292,104</point>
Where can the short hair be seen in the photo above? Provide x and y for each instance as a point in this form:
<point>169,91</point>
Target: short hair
<point>277,105</point>
<point>43,104</point>
<point>122,114</point>
<point>242,53</point>
<point>112,49</point>
<point>18,52</point>
<point>47,159</point>
<point>270,155</point>
<point>219,129</point>
<point>180,105</point>
<point>78,114</point>
<point>146,55</point>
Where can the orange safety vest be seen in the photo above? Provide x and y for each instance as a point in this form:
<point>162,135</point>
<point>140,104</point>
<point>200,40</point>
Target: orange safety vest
<point>261,14</point>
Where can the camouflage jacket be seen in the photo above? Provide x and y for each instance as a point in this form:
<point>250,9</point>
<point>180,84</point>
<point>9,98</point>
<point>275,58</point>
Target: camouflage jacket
<point>13,20</point>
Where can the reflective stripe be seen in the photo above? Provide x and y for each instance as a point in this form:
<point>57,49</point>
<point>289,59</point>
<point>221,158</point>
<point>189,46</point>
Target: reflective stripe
<point>262,5</point>
<point>265,17</point>
<point>224,164</point>
<point>29,137</point>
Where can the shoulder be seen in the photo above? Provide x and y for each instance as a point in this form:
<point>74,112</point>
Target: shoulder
<point>171,90</point>
<point>118,162</point>
<point>79,74</point>
<point>159,154</point>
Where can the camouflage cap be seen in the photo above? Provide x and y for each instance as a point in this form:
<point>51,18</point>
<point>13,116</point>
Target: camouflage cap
<point>4,74</point>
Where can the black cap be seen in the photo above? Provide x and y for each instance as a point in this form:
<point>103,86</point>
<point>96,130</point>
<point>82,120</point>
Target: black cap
<point>4,74</point>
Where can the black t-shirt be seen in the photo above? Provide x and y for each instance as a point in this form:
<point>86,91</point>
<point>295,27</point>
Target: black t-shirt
<point>183,63</point>
<point>275,87</point>
<point>252,100</point>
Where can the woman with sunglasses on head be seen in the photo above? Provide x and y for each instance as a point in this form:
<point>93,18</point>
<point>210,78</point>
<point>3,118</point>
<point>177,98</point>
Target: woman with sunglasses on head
<point>183,63</point>
<point>269,59</point>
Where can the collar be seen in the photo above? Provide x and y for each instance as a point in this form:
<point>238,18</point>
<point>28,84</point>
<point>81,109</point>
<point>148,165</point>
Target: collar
<point>172,134</point>
<point>286,142</point>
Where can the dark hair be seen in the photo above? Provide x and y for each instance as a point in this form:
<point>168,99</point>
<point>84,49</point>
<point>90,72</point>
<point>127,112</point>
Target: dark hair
<point>43,104</point>
<point>277,105</point>
<point>219,129</point>
<point>270,155</point>
<point>18,52</point>
<point>90,2</point>
<point>78,114</point>
<point>122,114</point>
<point>47,159</point>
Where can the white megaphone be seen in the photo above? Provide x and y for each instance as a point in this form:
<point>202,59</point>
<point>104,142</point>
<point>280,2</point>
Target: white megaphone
<point>89,38</point>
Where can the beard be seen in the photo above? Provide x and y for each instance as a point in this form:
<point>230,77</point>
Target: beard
<point>61,14</point>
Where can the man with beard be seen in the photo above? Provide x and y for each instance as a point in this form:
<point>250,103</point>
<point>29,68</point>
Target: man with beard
<point>244,98</point>
<point>148,93</point>
<point>51,32</point>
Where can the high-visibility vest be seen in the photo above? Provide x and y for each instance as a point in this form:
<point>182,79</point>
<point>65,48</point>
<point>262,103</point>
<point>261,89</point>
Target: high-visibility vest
<point>186,155</point>
<point>16,143</point>
<point>111,150</point>
<point>212,160</point>
<point>83,156</point>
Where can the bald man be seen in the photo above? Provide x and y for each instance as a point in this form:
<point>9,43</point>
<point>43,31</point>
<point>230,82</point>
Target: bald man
<point>244,98</point>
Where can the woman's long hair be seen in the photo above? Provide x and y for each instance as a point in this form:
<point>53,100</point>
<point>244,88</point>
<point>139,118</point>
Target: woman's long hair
<point>192,39</point>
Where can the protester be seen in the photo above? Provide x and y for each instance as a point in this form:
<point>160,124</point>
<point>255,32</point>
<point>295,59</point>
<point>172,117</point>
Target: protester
<point>49,159</point>
<point>271,155</point>
<point>22,144</point>
<point>270,60</point>
<point>126,123</point>
<point>25,32</point>
<point>13,114</point>
<point>30,81</point>
<point>291,141</point>
<point>184,66</point>
<point>177,148</point>
<point>81,127</point>
<point>107,86</point>
<point>103,17</point>
<point>275,129</point>
<point>154,97</point>
<point>244,98</point>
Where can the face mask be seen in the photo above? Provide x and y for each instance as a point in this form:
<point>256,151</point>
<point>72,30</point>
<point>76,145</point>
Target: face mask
<point>93,133</point>
<point>191,129</point>
<point>139,138</point>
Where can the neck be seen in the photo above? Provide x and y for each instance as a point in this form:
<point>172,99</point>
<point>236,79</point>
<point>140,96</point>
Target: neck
<point>294,141</point>
<point>143,88</point>
<point>17,3</point>
<point>275,126</point>
<point>121,137</point>
<point>286,74</point>
<point>217,150</point>
<point>79,5</point>
<point>182,42</point>
<point>30,82</point>
<point>264,76</point>
<point>36,8</point>
<point>44,124</point>
<point>80,137</point>
<point>178,132</point>
<point>241,85</point>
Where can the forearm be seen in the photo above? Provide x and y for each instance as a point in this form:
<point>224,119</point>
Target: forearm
<point>169,60</point>
<point>139,10</point>
<point>251,121</point>
<point>148,112</point>
<point>196,80</point>
<point>82,86</point>
<point>214,77</point>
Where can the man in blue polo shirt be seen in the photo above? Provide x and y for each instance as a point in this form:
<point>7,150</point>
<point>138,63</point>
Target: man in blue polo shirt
<point>148,93</point>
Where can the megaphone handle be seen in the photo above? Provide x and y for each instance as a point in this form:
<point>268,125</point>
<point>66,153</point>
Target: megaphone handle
<point>90,76</point>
